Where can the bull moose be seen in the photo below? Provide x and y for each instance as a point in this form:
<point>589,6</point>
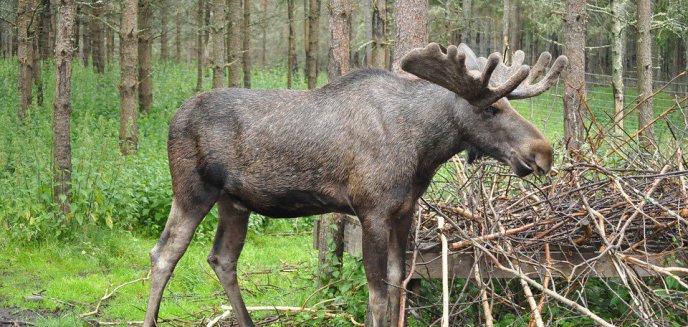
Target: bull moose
<point>367,144</point>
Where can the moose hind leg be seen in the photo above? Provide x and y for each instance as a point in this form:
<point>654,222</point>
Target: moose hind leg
<point>396,264</point>
<point>173,242</point>
<point>223,258</point>
<point>375,241</point>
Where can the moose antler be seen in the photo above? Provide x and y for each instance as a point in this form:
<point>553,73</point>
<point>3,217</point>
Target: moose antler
<point>481,81</point>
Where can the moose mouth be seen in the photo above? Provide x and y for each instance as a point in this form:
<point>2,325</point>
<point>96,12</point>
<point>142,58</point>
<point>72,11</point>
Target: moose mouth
<point>521,167</point>
<point>524,168</point>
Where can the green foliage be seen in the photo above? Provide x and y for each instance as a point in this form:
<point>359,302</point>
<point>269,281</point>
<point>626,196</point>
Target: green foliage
<point>130,193</point>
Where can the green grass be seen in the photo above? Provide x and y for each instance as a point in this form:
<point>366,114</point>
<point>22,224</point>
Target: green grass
<point>82,270</point>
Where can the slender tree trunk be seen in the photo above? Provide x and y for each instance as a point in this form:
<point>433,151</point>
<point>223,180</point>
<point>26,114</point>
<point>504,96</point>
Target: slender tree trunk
<point>306,37</point>
<point>97,26</point>
<point>110,34</point>
<point>128,130</point>
<point>217,56</point>
<point>44,47</point>
<point>177,36</point>
<point>291,56</point>
<point>574,35</point>
<point>367,31</point>
<point>164,45</point>
<point>234,43</point>
<point>644,50</point>
<point>36,71</point>
<point>467,15</point>
<point>515,25</point>
<point>199,44</point>
<point>379,28</point>
<point>389,32</point>
<point>685,58</point>
<point>24,55</point>
<point>412,28</point>
<point>145,53</point>
<point>618,8</point>
<point>312,55</point>
<point>339,64</point>
<point>246,48</point>
<point>506,19</point>
<point>85,29</point>
<point>77,31</point>
<point>62,105</point>
<point>264,29</point>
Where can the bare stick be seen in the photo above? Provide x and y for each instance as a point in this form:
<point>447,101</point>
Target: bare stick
<point>487,310</point>
<point>404,284</point>
<point>445,274</point>
<point>108,295</point>
<point>512,231</point>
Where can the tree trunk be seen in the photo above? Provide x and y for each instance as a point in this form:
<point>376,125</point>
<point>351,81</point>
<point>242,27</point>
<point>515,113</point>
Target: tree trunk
<point>128,117</point>
<point>644,50</point>
<point>145,52</point>
<point>618,9</point>
<point>264,29</point>
<point>246,48</point>
<point>178,36</point>
<point>45,31</point>
<point>85,29</point>
<point>24,55</point>
<point>62,105</point>
<point>412,28</point>
<point>306,37</point>
<point>217,57</point>
<point>339,11</point>
<point>199,44</point>
<point>291,56</point>
<point>36,57</point>
<point>98,42</point>
<point>110,34</point>
<point>685,58</point>
<point>574,41</point>
<point>379,28</point>
<point>467,15</point>
<point>312,55</point>
<point>515,25</point>
<point>506,19</point>
<point>234,43</point>
<point>330,247</point>
<point>164,46</point>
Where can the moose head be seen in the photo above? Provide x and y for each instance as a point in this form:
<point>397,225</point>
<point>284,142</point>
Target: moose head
<point>367,144</point>
<point>486,84</point>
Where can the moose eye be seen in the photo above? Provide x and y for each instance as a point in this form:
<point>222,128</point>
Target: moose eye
<point>491,111</point>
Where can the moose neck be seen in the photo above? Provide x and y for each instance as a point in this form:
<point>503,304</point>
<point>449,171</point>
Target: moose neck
<point>440,125</point>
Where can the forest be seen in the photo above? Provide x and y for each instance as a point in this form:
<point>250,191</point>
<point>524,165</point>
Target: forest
<point>88,90</point>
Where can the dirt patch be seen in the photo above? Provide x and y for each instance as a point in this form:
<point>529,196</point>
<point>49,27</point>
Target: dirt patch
<point>17,317</point>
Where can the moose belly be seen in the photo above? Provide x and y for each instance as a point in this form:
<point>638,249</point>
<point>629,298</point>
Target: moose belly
<point>294,203</point>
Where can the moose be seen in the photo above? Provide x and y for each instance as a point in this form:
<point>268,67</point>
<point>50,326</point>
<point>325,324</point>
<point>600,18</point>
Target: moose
<point>367,144</point>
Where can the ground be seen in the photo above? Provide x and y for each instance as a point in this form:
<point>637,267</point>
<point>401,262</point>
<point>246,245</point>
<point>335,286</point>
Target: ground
<point>52,283</point>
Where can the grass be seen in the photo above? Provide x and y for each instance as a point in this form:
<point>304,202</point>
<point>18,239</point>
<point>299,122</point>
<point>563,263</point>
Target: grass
<point>81,271</point>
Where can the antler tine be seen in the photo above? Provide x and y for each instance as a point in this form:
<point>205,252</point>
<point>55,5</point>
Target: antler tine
<point>449,70</point>
<point>527,89</point>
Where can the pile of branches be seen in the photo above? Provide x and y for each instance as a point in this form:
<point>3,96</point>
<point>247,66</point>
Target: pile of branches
<point>619,204</point>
